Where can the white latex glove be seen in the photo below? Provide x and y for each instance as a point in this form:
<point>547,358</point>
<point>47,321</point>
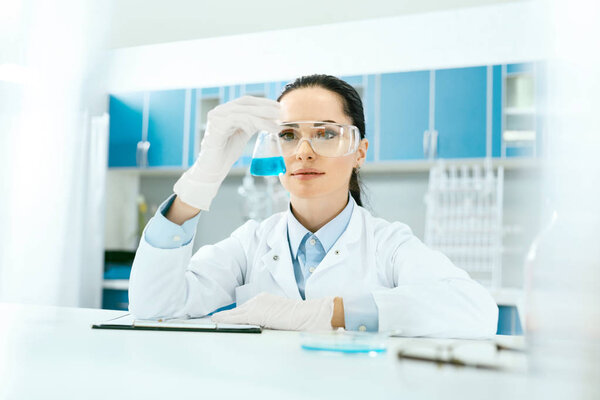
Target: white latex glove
<point>276,312</point>
<point>229,127</point>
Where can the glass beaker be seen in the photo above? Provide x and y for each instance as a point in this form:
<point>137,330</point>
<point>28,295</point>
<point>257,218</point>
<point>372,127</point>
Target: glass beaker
<point>267,157</point>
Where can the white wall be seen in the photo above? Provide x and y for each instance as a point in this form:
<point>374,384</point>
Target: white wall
<point>472,36</point>
<point>142,22</point>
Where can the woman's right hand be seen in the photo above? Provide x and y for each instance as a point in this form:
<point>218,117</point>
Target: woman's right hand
<point>229,127</point>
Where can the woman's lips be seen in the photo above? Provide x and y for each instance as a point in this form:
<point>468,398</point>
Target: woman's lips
<point>306,174</point>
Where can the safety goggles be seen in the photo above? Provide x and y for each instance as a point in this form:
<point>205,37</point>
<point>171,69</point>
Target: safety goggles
<point>327,139</point>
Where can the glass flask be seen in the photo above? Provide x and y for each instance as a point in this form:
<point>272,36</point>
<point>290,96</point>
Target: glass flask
<point>267,159</point>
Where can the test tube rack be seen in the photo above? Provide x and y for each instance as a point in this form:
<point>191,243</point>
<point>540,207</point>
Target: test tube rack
<point>464,217</point>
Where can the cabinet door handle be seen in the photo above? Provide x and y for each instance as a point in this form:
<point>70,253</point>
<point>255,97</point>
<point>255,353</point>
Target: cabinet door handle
<point>145,153</point>
<point>138,151</point>
<point>430,139</point>
<point>141,153</point>
<point>433,142</point>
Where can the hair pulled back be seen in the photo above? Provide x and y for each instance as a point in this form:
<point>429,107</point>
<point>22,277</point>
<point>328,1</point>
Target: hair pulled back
<point>353,108</point>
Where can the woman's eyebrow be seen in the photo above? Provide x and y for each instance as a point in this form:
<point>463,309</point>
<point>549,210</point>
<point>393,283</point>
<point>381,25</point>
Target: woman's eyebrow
<point>316,123</point>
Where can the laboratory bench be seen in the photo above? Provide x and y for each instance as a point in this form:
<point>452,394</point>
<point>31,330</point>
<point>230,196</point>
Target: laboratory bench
<point>115,297</point>
<point>52,353</point>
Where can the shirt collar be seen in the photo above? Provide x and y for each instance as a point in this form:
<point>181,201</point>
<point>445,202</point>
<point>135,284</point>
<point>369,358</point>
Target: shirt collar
<point>327,235</point>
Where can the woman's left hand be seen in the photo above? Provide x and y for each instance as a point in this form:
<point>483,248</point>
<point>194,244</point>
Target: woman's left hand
<point>274,312</point>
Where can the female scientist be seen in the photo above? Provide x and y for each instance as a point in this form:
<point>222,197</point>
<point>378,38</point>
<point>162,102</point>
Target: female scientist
<point>324,263</point>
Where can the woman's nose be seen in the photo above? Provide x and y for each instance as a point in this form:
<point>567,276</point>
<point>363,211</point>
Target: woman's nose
<point>305,151</point>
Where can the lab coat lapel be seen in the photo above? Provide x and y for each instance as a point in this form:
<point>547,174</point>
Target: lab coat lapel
<point>341,250</point>
<point>279,261</point>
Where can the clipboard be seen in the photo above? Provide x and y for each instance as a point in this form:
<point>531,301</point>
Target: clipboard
<point>128,322</point>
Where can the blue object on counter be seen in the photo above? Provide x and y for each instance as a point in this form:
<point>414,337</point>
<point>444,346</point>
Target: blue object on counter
<point>508,321</point>
<point>113,299</point>
<point>344,342</point>
<point>117,271</point>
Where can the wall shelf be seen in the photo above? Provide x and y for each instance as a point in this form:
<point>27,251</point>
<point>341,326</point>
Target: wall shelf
<point>115,284</point>
<point>382,167</point>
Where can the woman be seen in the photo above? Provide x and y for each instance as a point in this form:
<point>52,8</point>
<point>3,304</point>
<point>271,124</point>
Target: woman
<point>323,264</point>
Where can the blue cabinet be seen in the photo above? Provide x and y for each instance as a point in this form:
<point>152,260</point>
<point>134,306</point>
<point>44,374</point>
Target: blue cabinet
<point>357,81</point>
<point>365,85</point>
<point>255,89</point>
<point>497,107</point>
<point>472,109</point>
<point>509,322</point>
<point>371,109</point>
<point>125,131</point>
<point>193,143</point>
<point>404,114</point>
<point>521,122</point>
<point>231,93</point>
<point>274,89</point>
<point>519,68</point>
<point>211,92</point>
<point>113,299</point>
<point>117,269</point>
<point>155,118</point>
<point>166,122</point>
<point>460,112</point>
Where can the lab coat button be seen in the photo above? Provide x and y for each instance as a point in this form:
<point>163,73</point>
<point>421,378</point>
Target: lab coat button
<point>275,257</point>
<point>176,238</point>
<point>311,269</point>
<point>337,252</point>
<point>313,241</point>
<point>362,328</point>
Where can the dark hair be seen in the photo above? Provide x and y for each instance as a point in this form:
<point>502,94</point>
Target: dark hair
<point>353,108</point>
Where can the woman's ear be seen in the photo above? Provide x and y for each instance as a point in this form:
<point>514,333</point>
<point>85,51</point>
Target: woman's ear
<point>361,153</point>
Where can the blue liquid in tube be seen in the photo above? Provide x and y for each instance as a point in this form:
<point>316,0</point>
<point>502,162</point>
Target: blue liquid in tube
<point>267,166</point>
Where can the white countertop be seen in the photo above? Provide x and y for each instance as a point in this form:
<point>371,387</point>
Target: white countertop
<point>52,353</point>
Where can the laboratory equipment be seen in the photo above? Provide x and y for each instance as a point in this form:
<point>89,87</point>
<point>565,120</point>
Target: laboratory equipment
<point>262,196</point>
<point>223,143</point>
<point>502,353</point>
<point>327,139</point>
<point>267,156</point>
<point>344,341</point>
<point>464,217</point>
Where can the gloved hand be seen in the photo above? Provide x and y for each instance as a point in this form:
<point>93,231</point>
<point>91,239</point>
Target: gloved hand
<point>229,127</point>
<point>276,312</point>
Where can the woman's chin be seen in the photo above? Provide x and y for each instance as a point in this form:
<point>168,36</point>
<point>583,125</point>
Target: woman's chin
<point>305,191</point>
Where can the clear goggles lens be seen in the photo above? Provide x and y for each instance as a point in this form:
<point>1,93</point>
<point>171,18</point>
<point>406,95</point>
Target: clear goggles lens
<point>326,139</point>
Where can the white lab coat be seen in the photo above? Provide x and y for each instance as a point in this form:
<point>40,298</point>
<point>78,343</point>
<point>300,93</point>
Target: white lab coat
<point>418,291</point>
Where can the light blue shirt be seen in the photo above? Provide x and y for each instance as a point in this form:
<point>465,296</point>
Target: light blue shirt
<point>308,250</point>
<point>359,312</point>
<point>164,234</point>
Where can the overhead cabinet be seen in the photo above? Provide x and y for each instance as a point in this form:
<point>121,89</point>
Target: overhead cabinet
<point>468,112</point>
<point>126,120</point>
<point>460,112</point>
<point>404,113</point>
<point>149,129</point>
<point>168,132</point>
